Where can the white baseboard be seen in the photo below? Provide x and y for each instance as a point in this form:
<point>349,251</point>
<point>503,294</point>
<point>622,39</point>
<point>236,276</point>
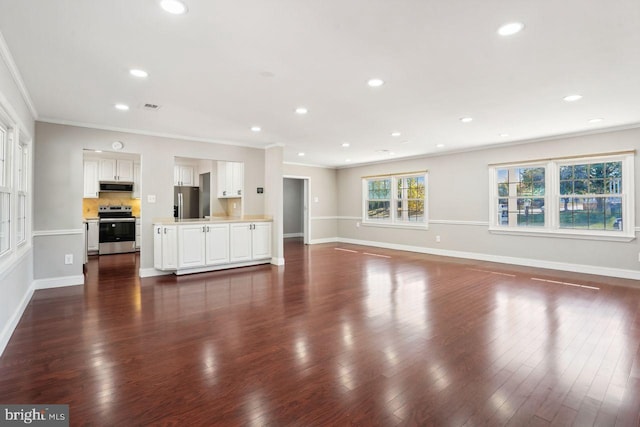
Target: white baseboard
<point>277,261</point>
<point>5,336</point>
<point>290,235</point>
<point>152,272</point>
<point>58,282</point>
<point>553,265</point>
<point>324,240</point>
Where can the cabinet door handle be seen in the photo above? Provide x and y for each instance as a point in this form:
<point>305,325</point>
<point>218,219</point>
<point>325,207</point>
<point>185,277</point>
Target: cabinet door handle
<point>165,230</point>
<point>204,229</point>
<point>158,230</point>
<point>207,228</point>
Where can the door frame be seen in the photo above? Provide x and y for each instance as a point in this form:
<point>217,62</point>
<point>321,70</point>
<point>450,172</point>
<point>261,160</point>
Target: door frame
<point>306,215</point>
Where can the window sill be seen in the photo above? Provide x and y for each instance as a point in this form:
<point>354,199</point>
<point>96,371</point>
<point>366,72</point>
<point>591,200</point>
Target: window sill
<point>397,225</point>
<point>566,234</point>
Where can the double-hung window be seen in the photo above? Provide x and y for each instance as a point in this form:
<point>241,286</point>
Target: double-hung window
<point>584,197</point>
<point>22,163</point>
<point>398,200</point>
<point>5,190</point>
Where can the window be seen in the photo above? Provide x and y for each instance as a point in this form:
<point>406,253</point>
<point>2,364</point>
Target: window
<point>22,163</point>
<point>5,192</point>
<point>395,199</point>
<point>571,196</point>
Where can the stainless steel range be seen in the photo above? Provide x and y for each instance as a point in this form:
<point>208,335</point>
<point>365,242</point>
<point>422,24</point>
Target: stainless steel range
<point>117,230</point>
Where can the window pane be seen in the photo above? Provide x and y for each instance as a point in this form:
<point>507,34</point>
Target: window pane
<point>580,187</point>
<point>566,172</point>
<point>596,170</point>
<point>4,222</point>
<point>379,210</point>
<point>502,175</point>
<point>531,212</point>
<point>379,189</point>
<point>596,186</point>
<point>21,219</point>
<point>613,214</point>
<point>3,157</point>
<point>613,169</point>
<point>503,212</point>
<point>580,172</point>
<point>613,186</point>
<point>414,211</point>
<point>566,187</point>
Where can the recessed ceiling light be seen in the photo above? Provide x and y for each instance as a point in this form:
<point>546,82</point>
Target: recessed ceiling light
<point>345,144</point>
<point>510,29</point>
<point>405,142</point>
<point>597,120</point>
<point>440,145</point>
<point>396,134</point>
<point>301,154</point>
<point>135,72</point>
<point>122,107</point>
<point>572,98</point>
<point>466,119</point>
<point>98,151</point>
<point>256,128</point>
<point>301,110</point>
<point>347,160</point>
<point>391,153</point>
<point>375,82</point>
<point>175,7</point>
<point>504,135</point>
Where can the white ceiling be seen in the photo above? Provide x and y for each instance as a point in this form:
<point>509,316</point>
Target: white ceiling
<point>228,65</point>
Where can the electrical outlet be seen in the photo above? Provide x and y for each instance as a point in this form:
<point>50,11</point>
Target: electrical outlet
<point>437,239</point>
<point>68,259</point>
<point>234,206</point>
<point>316,199</point>
<point>151,198</point>
<point>358,224</point>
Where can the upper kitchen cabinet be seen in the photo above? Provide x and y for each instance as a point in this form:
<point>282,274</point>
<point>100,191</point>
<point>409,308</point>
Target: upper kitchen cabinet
<point>136,181</point>
<point>116,170</point>
<point>230,179</point>
<point>185,172</point>
<point>91,182</point>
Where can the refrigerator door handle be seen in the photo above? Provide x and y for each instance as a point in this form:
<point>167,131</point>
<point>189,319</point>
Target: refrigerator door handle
<point>180,207</point>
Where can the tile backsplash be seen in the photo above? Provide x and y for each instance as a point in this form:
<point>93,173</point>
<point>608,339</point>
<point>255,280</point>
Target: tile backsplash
<point>90,206</point>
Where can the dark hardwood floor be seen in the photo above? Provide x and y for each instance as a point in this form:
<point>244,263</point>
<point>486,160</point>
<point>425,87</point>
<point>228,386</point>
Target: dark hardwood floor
<point>341,335</point>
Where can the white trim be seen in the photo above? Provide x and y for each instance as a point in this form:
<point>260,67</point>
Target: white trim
<point>277,261</point>
<point>5,53</point>
<point>421,226</point>
<point>58,282</point>
<point>323,217</point>
<point>565,234</point>
<point>577,268</point>
<point>274,145</point>
<point>291,235</point>
<point>11,325</point>
<point>324,240</point>
<point>308,165</point>
<point>69,232</point>
<point>457,222</point>
<point>147,133</point>
<point>152,272</point>
<point>352,218</point>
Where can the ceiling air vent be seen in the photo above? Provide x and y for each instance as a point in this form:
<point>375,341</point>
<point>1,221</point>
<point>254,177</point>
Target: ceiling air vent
<point>151,107</point>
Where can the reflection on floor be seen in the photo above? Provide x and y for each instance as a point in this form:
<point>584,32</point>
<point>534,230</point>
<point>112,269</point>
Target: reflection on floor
<point>342,334</point>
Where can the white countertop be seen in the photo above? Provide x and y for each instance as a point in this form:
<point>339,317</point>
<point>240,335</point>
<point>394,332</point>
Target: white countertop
<point>213,220</point>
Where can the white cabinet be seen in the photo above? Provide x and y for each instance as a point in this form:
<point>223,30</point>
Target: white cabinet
<point>230,179</point>
<point>138,233</point>
<point>91,182</point>
<point>165,247</point>
<point>203,244</point>
<point>184,175</point>
<point>93,240</point>
<point>250,241</point>
<point>136,181</point>
<point>116,170</point>
<point>217,244</point>
<point>191,246</point>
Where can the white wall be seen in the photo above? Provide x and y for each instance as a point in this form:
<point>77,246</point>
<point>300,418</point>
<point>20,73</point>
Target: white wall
<point>293,207</point>
<point>59,184</point>
<point>16,276</point>
<point>458,197</point>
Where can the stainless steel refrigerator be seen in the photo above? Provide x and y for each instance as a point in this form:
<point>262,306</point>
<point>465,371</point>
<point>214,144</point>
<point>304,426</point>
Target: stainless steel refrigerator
<point>186,202</point>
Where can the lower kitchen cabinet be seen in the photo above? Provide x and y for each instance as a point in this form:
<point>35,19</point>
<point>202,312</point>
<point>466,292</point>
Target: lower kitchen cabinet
<point>165,247</point>
<point>138,234</point>
<point>203,247</point>
<point>93,236</point>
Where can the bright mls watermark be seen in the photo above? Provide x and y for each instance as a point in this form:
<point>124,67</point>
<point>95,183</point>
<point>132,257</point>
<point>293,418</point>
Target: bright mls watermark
<point>34,415</point>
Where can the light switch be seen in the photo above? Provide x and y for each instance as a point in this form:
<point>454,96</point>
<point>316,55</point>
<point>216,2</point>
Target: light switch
<point>316,199</point>
<point>151,198</point>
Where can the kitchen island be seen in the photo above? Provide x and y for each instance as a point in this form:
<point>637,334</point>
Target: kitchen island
<point>196,245</point>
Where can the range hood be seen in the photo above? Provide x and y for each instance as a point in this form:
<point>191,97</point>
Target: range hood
<point>116,187</point>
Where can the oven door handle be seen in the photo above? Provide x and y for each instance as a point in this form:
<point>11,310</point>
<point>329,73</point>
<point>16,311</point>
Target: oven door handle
<point>117,220</point>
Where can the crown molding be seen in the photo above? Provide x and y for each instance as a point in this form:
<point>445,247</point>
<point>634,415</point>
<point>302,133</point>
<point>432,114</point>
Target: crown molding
<point>7,58</point>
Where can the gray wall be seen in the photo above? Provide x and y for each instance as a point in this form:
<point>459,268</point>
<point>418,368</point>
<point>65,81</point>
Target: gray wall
<point>323,188</point>
<point>293,206</point>
<point>59,185</point>
<point>16,273</point>
<point>458,198</point>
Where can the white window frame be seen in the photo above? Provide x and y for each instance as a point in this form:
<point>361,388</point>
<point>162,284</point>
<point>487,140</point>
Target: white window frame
<point>18,149</point>
<point>393,220</point>
<point>552,199</point>
<point>6,146</point>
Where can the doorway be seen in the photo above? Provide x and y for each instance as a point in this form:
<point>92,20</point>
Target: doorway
<point>296,208</point>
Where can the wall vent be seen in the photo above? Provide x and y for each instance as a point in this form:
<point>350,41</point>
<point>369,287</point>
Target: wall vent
<point>151,107</point>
